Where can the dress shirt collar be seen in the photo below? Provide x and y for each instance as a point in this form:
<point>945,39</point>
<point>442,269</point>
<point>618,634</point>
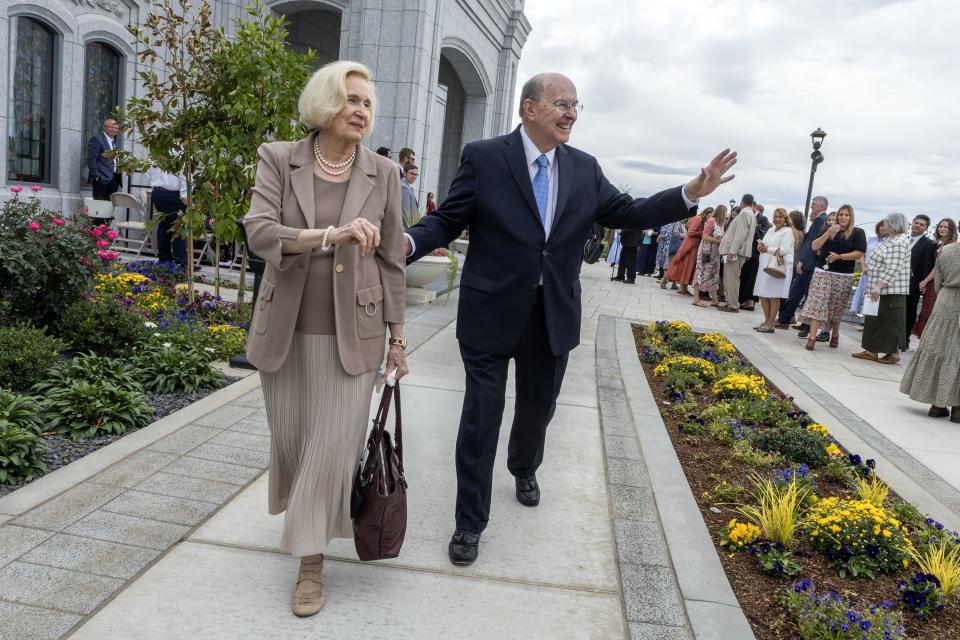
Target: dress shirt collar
<point>914,240</point>
<point>532,152</point>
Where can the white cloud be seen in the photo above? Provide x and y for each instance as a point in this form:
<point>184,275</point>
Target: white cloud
<point>667,85</point>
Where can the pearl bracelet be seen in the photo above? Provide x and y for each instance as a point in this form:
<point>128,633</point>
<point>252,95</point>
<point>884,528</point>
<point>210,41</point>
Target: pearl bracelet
<point>323,243</point>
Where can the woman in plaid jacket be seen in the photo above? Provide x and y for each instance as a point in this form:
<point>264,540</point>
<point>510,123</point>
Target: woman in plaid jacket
<point>888,280</point>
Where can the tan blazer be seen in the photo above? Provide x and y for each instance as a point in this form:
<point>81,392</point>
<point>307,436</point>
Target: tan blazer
<point>738,238</point>
<point>368,291</point>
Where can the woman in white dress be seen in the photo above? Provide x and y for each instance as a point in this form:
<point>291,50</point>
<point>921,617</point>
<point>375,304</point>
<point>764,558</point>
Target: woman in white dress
<point>776,250</point>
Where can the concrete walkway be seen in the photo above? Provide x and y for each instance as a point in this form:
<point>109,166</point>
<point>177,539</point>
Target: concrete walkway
<point>173,539</point>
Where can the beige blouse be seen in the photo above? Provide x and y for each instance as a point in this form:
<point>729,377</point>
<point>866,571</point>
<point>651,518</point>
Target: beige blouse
<point>316,306</point>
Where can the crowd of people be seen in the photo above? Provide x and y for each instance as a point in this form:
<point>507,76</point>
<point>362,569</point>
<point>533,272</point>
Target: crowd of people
<point>803,279</point>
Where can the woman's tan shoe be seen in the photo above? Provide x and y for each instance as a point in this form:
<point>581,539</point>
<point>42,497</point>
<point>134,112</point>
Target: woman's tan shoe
<point>311,594</point>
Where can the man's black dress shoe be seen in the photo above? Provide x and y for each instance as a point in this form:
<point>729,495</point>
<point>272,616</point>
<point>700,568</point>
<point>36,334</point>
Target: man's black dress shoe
<point>528,491</point>
<point>823,336</point>
<point>464,547</point>
<point>803,333</point>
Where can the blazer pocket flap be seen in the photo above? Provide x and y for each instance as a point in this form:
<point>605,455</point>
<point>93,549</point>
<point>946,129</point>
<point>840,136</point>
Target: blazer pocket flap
<point>472,280</point>
<point>577,289</point>
<point>370,295</point>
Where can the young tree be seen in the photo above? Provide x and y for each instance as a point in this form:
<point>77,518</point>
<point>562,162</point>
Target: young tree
<point>210,100</point>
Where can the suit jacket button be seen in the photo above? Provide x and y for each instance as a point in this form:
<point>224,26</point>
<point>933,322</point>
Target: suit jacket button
<point>339,268</point>
<point>546,253</point>
<point>534,286</point>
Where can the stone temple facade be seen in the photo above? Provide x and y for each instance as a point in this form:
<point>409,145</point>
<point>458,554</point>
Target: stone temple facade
<point>445,73</point>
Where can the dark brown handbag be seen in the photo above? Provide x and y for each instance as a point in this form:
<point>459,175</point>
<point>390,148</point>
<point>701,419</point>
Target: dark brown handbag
<point>379,502</point>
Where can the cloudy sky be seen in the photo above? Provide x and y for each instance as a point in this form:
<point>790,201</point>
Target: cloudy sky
<point>668,84</point>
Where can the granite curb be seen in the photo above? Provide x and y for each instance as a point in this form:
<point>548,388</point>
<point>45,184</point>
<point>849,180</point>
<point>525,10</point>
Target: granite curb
<point>712,609</point>
<point>71,475</point>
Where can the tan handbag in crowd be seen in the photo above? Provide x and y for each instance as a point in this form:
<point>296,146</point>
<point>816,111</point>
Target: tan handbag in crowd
<point>776,270</point>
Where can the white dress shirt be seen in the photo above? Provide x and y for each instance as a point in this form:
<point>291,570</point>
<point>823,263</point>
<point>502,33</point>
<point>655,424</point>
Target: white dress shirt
<point>112,145</point>
<point>160,179</point>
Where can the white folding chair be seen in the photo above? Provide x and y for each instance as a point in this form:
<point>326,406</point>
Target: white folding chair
<point>98,210</point>
<point>123,242</point>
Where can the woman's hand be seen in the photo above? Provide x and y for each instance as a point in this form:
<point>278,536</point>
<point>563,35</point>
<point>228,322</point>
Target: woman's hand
<point>833,257</point>
<point>762,248</point>
<point>396,362</point>
<point>359,231</point>
<point>834,230</point>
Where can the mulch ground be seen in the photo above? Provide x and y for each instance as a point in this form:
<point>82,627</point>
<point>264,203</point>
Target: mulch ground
<point>707,462</point>
<point>62,451</point>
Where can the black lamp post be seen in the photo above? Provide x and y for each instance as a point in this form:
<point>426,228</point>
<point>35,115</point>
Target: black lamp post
<point>817,138</point>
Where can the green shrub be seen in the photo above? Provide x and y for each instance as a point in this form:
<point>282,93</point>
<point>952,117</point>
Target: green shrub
<point>717,411</point>
<point>693,426</point>
<point>84,409</point>
<point>21,453</point>
<point>102,326</point>
<point>794,444</point>
<point>228,340</point>
<point>164,368</point>
<point>747,454</point>
<point>20,411</point>
<point>92,395</point>
<point>681,380</point>
<point>766,412</point>
<point>840,472</point>
<point>25,354</point>
<point>722,430</point>
<point>907,513</point>
<point>683,407</point>
<point>685,344</point>
<point>184,335</point>
<point>90,368</point>
<point>47,261</point>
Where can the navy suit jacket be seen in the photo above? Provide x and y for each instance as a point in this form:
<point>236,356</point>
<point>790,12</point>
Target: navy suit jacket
<point>807,255</point>
<point>509,253</point>
<point>99,166</point>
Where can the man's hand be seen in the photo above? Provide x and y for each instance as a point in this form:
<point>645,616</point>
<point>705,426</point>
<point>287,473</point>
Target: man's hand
<point>798,267</point>
<point>712,176</point>
<point>407,247</point>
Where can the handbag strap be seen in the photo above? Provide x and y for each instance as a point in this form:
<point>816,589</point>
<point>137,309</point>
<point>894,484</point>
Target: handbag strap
<point>380,421</point>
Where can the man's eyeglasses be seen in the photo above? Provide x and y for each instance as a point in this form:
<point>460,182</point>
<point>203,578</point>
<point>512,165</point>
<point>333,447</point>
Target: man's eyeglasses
<point>563,106</point>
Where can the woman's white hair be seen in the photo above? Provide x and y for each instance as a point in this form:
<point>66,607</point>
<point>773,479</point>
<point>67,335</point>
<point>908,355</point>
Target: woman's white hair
<point>326,94</point>
<point>895,224</point>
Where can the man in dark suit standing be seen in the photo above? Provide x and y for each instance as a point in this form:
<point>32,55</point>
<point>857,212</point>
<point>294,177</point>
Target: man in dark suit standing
<point>630,239</point>
<point>529,200</point>
<point>804,263</point>
<point>922,258</point>
<point>103,171</point>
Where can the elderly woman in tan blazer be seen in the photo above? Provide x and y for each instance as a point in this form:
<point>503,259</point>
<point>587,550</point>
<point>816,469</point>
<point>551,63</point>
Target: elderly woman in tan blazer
<point>325,216</point>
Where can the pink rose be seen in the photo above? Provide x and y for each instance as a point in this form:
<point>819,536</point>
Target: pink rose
<point>59,222</point>
<point>16,189</point>
<point>111,234</point>
<point>108,255</point>
<point>33,226</point>
<point>35,188</point>
<point>103,244</point>
<point>96,232</point>
<point>84,262</point>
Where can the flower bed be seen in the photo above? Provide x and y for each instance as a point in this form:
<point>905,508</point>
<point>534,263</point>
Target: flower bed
<point>814,544</point>
<point>91,349</point>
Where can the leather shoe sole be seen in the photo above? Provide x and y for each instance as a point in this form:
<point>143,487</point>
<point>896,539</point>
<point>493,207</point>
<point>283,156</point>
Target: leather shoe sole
<point>528,491</point>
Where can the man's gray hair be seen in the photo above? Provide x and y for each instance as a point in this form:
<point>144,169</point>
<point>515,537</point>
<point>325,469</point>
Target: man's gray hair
<point>896,223</point>
<point>822,200</point>
<point>531,90</point>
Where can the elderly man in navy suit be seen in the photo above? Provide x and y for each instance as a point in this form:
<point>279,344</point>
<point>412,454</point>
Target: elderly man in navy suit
<point>529,202</point>
<point>103,171</point>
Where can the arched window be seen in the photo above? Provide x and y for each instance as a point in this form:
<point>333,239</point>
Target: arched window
<point>30,140</point>
<point>101,90</point>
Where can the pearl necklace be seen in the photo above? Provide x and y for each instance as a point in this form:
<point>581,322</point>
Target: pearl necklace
<point>331,168</point>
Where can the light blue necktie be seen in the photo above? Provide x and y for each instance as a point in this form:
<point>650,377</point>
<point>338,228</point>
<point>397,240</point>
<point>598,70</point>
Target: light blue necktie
<point>541,187</point>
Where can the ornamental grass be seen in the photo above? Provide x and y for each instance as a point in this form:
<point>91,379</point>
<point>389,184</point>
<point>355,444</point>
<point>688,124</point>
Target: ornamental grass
<point>779,507</point>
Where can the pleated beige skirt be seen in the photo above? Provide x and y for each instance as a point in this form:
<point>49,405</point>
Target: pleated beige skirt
<point>318,416</point>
